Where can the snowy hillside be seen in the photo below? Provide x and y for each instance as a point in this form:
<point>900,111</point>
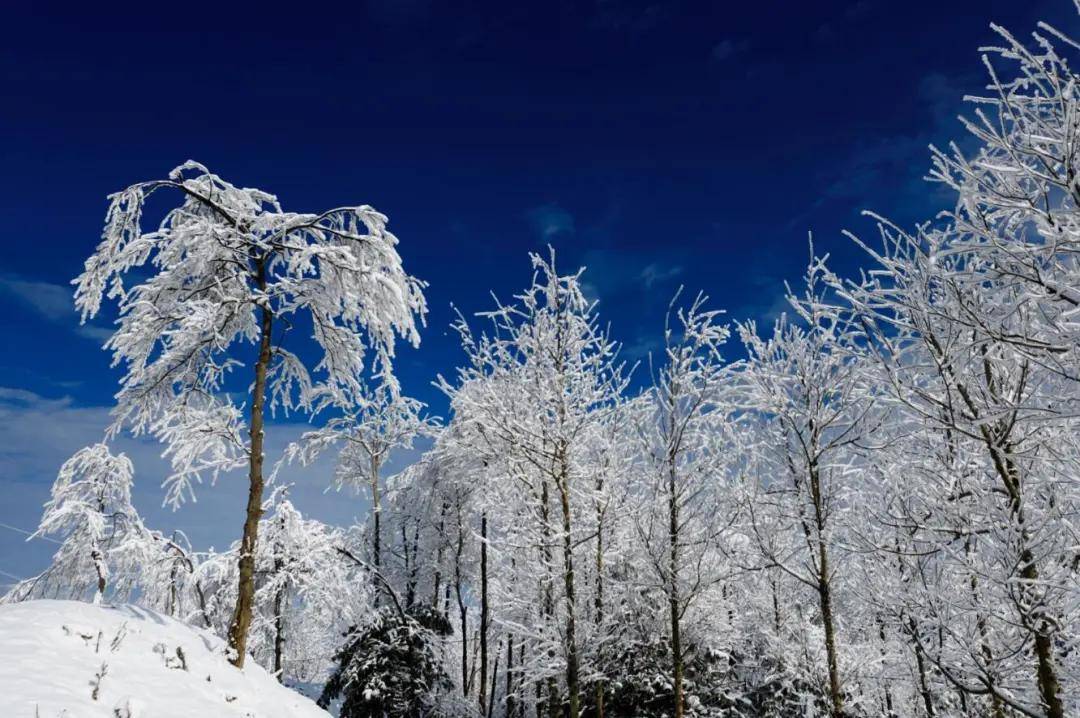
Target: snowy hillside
<point>65,658</point>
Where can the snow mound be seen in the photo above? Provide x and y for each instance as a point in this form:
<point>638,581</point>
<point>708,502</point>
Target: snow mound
<point>78,660</point>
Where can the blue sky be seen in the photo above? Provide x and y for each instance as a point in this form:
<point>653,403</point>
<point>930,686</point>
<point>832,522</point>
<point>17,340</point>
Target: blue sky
<point>657,143</point>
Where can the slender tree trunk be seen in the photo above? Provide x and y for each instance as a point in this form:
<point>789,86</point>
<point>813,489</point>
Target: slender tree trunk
<point>98,561</point>
<point>174,596</point>
<point>572,680</point>
<point>884,656</point>
<point>376,510</point>
<point>1049,686</point>
<point>920,664</point>
<point>984,645</point>
<point>279,634</point>
<point>1013,481</point>
<point>673,590</point>
<point>412,564</point>
<point>598,696</point>
<point>439,557</point>
<point>483,613</point>
<point>463,610</point>
<point>245,598</point>
<point>489,709</point>
<point>547,605</point>
<point>775,605</point>
<point>97,557</point>
<point>825,596</point>
<point>510,702</point>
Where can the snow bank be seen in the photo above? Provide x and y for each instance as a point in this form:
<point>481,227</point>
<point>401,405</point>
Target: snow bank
<point>77,660</point>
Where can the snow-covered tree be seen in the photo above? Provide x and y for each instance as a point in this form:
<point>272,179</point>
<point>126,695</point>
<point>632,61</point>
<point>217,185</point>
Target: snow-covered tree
<point>306,593</point>
<point>381,422</point>
<point>681,429</point>
<point>817,406</point>
<point>390,666</point>
<point>100,531</point>
<point>534,386</point>
<point>973,322</point>
<point>230,275</point>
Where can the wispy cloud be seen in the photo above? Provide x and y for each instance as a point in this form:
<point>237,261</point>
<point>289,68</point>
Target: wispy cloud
<point>550,220</point>
<point>611,273</point>
<point>728,48</point>
<point>52,302</point>
<point>655,273</point>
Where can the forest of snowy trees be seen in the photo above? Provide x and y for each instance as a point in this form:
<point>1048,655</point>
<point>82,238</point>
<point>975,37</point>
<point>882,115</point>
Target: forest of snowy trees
<point>866,508</point>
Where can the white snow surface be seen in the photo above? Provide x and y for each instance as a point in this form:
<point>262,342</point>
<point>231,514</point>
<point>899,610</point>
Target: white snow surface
<point>52,651</point>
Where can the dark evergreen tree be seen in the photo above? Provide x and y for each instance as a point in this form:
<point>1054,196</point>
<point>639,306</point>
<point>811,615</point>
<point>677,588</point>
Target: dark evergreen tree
<point>391,666</point>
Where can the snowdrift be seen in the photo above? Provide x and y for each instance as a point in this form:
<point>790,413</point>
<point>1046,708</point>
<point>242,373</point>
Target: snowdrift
<point>72,659</point>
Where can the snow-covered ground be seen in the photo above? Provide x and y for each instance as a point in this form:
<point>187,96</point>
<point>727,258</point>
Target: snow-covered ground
<point>78,660</point>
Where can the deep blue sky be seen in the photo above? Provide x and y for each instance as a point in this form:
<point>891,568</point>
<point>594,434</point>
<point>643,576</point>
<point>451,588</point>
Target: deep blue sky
<point>657,143</point>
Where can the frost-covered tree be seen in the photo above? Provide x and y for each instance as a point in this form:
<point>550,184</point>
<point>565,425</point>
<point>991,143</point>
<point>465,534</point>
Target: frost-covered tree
<point>306,593</point>
<point>381,422</point>
<point>817,406</point>
<point>536,383</point>
<point>973,321</point>
<point>681,429</point>
<point>167,574</point>
<point>219,283</point>
<point>994,446</point>
<point>100,530</point>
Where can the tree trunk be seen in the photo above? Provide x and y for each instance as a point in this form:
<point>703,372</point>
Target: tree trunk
<point>920,663</point>
<point>673,590</point>
<point>775,606</point>
<point>439,557</point>
<point>1049,687</point>
<point>279,634</point>
<point>463,609</point>
<point>1000,450</point>
<point>491,696</point>
<point>598,696</point>
<point>572,681</point>
<point>98,557</point>
<point>99,561</point>
<point>825,596</point>
<point>997,708</point>
<point>376,510</point>
<point>483,614</point>
<point>510,702</point>
<point>884,657</point>
<point>245,597</point>
<point>547,605</point>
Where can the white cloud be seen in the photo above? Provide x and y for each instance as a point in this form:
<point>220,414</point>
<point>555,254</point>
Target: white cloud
<point>53,302</point>
<point>655,273</point>
<point>611,273</point>
<point>550,220</point>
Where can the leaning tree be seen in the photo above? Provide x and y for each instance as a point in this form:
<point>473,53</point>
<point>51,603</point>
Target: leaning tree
<point>220,283</point>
